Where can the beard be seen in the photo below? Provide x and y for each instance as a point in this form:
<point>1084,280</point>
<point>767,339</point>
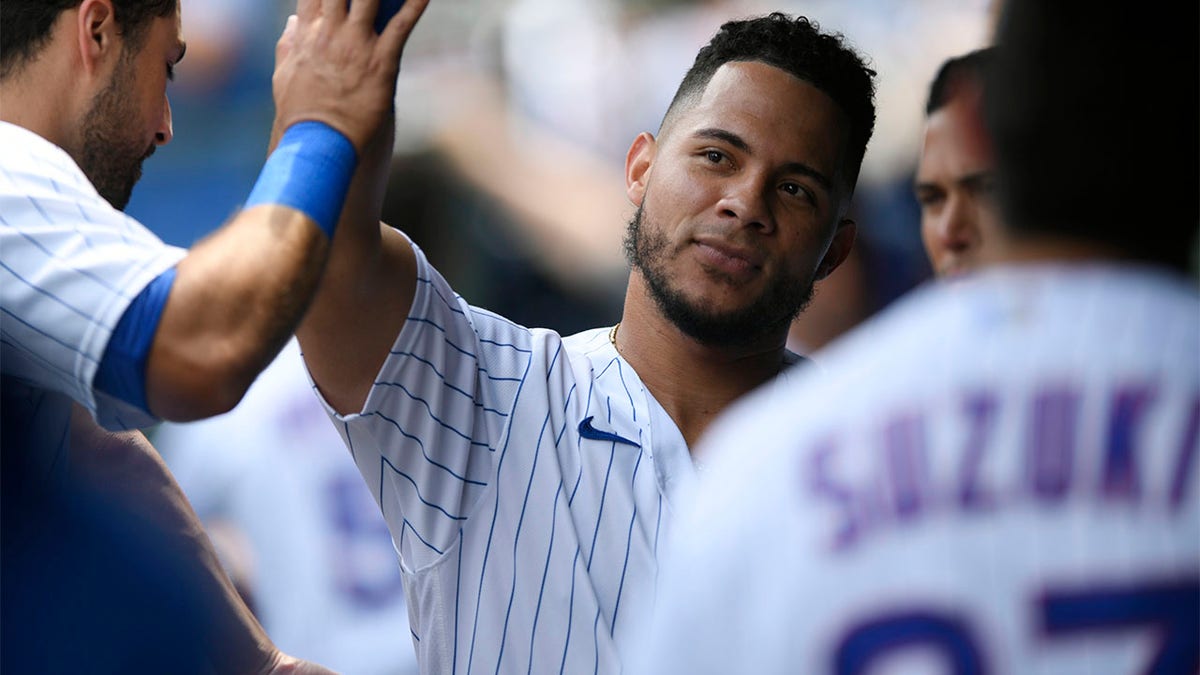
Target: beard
<point>112,157</point>
<point>770,313</point>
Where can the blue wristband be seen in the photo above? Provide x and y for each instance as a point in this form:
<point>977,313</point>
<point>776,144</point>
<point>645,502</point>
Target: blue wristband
<point>309,171</point>
<point>122,371</point>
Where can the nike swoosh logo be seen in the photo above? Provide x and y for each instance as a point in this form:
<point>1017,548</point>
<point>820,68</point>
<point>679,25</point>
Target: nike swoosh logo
<point>586,430</point>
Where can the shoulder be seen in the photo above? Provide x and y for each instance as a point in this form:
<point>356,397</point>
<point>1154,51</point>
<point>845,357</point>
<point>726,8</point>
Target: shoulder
<point>33,161</point>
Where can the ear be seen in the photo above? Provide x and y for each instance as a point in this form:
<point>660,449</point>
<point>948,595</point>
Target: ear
<point>97,33</point>
<point>638,162</point>
<point>839,248</point>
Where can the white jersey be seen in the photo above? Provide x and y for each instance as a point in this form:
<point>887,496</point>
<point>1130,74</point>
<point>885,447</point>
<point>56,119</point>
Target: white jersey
<point>70,264</point>
<point>997,475</point>
<point>527,481</point>
<point>324,580</point>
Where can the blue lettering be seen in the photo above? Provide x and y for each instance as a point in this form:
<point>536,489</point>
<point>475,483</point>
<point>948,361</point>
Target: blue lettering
<point>980,409</point>
<point>824,485</point>
<point>1120,480</point>
<point>1052,444</point>
<point>908,475</point>
<point>1181,477</point>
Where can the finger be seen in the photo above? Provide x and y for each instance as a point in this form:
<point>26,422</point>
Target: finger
<point>308,9</point>
<point>400,27</point>
<point>334,10</point>
<point>363,11</point>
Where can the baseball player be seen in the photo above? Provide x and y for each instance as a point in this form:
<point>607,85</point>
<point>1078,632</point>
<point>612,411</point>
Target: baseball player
<point>99,315</point>
<point>528,479</point>
<point>954,183</point>
<point>999,474</point>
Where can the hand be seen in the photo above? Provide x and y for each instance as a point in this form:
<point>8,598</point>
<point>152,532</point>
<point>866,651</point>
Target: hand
<point>331,66</point>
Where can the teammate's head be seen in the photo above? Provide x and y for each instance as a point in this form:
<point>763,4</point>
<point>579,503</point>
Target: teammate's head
<point>742,198</point>
<point>125,50</point>
<point>1089,147</point>
<point>955,182</point>
<point>28,23</point>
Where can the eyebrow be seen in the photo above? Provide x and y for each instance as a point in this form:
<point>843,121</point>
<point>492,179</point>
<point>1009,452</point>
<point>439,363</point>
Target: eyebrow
<point>971,180</point>
<point>738,142</point>
<point>182,46</point>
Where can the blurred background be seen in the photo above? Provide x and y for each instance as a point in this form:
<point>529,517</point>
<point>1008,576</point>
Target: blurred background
<point>514,117</point>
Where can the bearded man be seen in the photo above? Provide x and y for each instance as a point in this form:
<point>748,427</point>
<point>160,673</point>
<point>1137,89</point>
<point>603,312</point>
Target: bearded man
<point>528,478</point>
<point>106,330</point>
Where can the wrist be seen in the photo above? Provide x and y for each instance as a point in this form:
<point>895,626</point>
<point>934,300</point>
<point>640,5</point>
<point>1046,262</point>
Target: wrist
<point>310,170</point>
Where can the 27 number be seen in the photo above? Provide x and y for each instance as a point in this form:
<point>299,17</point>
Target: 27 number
<point>1172,608</point>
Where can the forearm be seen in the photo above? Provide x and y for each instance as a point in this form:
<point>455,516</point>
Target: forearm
<point>236,300</point>
<point>366,291</point>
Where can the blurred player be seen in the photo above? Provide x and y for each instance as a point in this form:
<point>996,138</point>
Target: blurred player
<point>527,479</point>
<point>320,569</point>
<point>105,326</point>
<point>955,180</point>
<point>997,475</point>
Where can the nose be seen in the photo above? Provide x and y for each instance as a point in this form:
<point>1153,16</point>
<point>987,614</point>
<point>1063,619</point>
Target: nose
<point>165,131</point>
<point>744,201</point>
<point>956,227</point>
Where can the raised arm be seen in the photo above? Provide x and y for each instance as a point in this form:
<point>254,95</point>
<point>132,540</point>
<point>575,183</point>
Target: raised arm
<point>367,290</point>
<point>238,295</point>
<point>365,295</point>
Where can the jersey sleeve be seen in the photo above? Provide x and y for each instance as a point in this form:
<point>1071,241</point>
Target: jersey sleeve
<point>70,265</point>
<point>427,438</point>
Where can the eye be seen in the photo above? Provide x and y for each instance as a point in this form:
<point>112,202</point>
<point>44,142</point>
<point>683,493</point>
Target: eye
<point>797,190</point>
<point>714,156</point>
<point>927,198</point>
<point>171,71</point>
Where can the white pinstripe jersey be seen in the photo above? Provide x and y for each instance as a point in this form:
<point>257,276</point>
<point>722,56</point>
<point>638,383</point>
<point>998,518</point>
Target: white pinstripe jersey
<point>526,544</point>
<point>998,475</point>
<point>70,264</point>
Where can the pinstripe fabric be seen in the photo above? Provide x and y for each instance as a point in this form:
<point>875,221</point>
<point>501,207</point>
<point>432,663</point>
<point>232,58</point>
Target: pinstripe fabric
<point>525,547</point>
<point>69,266</point>
<point>987,450</point>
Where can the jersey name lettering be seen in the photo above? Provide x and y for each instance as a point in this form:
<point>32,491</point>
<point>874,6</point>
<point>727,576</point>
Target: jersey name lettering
<point>1065,455</point>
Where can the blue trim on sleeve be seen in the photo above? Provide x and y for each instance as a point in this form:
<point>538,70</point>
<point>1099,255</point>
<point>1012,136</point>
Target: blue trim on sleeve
<point>122,371</point>
<point>310,171</point>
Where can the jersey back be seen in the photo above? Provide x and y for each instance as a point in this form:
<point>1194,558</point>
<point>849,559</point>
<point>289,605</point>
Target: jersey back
<point>997,476</point>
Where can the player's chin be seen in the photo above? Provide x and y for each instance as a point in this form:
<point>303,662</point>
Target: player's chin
<point>955,270</point>
<point>716,302</point>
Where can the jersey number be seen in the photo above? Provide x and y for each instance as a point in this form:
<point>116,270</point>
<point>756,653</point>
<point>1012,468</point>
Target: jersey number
<point>1173,609</point>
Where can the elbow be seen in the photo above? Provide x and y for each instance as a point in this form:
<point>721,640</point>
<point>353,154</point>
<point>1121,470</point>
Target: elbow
<point>190,406</point>
<point>200,388</point>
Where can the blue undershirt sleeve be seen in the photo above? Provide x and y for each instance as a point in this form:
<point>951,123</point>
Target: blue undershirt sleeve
<point>122,371</point>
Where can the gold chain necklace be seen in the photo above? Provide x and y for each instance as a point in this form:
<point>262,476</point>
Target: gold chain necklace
<point>612,336</point>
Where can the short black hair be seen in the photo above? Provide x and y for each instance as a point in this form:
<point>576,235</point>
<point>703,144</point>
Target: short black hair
<point>27,25</point>
<point>797,46</point>
<point>969,67</point>
<point>1089,144</point>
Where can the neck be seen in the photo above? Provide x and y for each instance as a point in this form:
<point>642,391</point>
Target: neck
<point>47,96</point>
<point>1010,247</point>
<point>693,382</point>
